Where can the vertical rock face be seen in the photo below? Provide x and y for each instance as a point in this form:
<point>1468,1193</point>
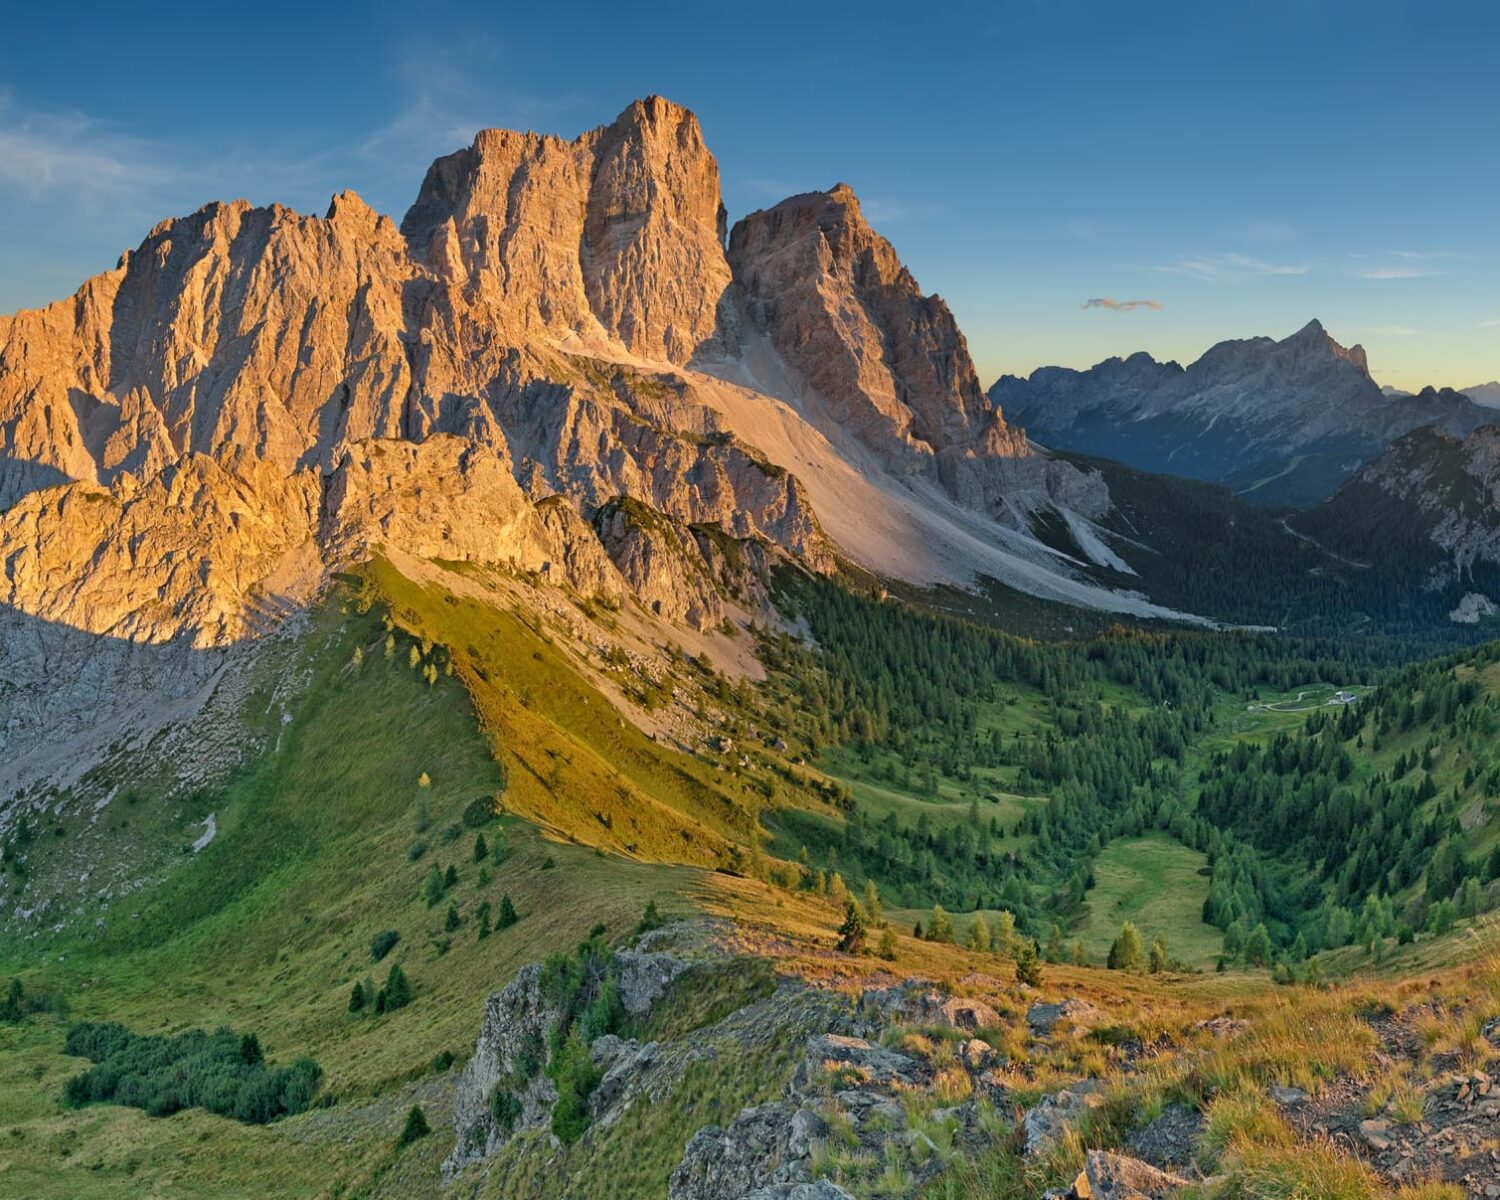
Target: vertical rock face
<point>890,363</point>
<point>617,234</point>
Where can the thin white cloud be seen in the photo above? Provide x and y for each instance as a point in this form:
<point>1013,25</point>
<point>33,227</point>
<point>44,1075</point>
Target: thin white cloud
<point>1407,264</point>
<point>69,156</point>
<point>1399,272</point>
<point>1112,305</point>
<point>1492,324</point>
<point>1216,267</point>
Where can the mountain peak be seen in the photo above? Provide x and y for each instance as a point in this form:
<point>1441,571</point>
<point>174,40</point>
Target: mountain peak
<point>1313,335</point>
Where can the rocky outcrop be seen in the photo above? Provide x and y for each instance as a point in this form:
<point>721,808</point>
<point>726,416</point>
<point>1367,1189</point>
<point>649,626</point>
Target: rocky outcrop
<point>1425,516</point>
<point>1107,1176</point>
<point>618,233</point>
<point>1239,415</point>
<point>1047,1120</point>
<point>888,362</point>
<point>511,1054</point>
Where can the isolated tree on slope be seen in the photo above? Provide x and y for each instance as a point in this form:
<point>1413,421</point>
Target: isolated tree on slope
<point>852,931</point>
<point>1127,952</point>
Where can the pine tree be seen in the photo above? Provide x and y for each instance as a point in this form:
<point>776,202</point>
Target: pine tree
<point>1028,965</point>
<point>1054,951</point>
<point>887,949</point>
<point>397,991</point>
<point>940,928</point>
<point>483,916</point>
<point>432,891</point>
<point>357,999</point>
<point>481,849</point>
<point>450,877</point>
<point>872,902</point>
<point>451,921</point>
<point>416,1127</point>
<point>1159,960</point>
<point>507,916</point>
<point>852,931</point>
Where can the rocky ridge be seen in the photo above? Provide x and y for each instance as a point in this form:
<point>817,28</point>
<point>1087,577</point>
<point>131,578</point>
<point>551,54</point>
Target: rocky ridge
<point>1428,509</point>
<point>1279,421</point>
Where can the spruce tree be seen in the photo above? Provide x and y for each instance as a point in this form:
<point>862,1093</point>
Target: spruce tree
<point>357,999</point>
<point>451,922</point>
<point>416,1127</point>
<point>507,916</point>
<point>1028,965</point>
<point>852,931</point>
<point>397,990</point>
<point>481,848</point>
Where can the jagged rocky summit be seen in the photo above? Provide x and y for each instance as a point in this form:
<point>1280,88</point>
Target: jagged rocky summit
<point>252,394</point>
<point>1279,421</point>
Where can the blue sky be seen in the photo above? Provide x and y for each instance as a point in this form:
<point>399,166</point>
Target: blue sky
<point>1243,166</point>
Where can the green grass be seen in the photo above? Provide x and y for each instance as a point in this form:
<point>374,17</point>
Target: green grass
<point>1153,881</point>
<point>268,928</point>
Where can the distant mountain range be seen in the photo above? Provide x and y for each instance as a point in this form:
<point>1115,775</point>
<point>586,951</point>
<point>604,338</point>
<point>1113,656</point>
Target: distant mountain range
<point>1279,422</point>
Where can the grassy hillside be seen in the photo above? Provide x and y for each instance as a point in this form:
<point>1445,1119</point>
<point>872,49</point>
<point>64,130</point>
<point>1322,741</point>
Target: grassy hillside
<point>1158,885</point>
<point>322,842</point>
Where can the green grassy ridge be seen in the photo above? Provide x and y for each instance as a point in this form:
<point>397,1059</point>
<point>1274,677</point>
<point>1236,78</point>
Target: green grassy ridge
<point>574,764</point>
<point>268,928</point>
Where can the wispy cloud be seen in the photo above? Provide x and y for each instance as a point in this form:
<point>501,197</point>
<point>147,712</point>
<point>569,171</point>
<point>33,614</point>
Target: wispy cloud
<point>1216,267</point>
<point>1121,305</point>
<point>1399,272</point>
<point>69,156</point>
<point>1407,264</point>
<point>1491,324</point>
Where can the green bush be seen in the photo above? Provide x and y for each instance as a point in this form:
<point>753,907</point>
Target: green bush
<point>222,1072</point>
<point>479,813</point>
<point>505,1109</point>
<point>383,943</point>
